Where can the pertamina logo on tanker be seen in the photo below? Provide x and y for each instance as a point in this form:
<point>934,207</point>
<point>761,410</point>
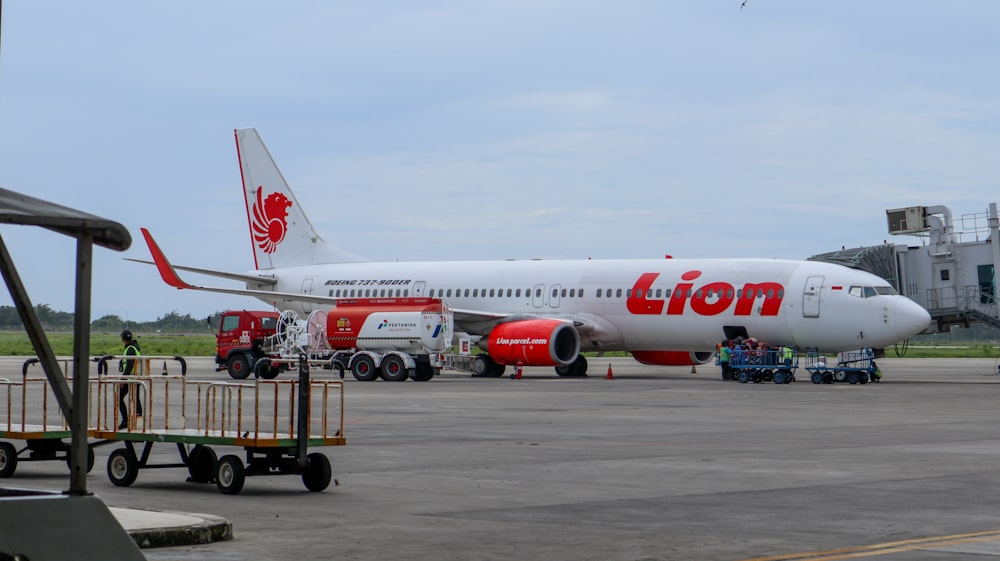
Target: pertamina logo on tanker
<point>396,325</point>
<point>270,220</point>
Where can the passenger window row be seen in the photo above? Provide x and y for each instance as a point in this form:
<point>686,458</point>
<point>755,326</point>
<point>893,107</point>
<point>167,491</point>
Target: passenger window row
<point>861,292</point>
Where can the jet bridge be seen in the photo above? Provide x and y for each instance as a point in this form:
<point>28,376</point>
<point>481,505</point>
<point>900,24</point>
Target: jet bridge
<point>951,273</point>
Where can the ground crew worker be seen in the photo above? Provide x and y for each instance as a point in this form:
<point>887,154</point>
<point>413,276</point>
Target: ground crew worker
<point>786,356</point>
<point>128,367</point>
<point>724,359</point>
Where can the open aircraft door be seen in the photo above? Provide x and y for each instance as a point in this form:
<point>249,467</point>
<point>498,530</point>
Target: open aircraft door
<point>810,296</point>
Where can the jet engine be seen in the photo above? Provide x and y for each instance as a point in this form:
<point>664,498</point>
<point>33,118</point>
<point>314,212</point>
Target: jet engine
<point>672,358</point>
<point>534,342</point>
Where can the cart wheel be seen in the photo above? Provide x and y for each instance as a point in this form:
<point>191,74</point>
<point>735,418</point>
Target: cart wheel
<point>230,476</point>
<point>90,459</point>
<point>319,473</point>
<point>840,376</point>
<point>202,463</point>
<point>862,377</point>
<point>852,377</point>
<point>743,377</point>
<point>123,467</point>
<point>817,377</point>
<point>8,459</point>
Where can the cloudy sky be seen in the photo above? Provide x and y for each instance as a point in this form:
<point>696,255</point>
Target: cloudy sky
<point>491,129</point>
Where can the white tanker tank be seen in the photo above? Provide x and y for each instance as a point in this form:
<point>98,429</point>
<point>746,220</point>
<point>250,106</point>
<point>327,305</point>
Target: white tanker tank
<point>410,325</point>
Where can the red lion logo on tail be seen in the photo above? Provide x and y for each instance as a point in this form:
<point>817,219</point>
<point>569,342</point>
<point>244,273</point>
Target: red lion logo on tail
<point>270,220</point>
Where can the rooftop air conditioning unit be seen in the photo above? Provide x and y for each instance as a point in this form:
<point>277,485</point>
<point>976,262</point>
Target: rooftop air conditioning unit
<point>909,220</point>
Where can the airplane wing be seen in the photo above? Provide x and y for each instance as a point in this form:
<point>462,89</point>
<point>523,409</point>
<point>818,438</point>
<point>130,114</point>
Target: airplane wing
<point>213,273</point>
<point>475,322</point>
<point>169,275</point>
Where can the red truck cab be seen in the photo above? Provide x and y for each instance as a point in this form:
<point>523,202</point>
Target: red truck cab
<point>237,345</point>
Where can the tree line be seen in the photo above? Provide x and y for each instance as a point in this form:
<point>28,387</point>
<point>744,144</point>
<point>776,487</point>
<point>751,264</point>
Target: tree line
<point>54,320</point>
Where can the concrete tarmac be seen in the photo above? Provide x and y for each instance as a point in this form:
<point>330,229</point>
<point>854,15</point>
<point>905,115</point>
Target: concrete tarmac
<point>658,463</point>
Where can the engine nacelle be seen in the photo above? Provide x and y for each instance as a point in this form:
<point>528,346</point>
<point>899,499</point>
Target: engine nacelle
<point>672,358</point>
<point>534,342</point>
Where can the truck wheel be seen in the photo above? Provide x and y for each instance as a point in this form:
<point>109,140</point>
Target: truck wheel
<point>364,369</point>
<point>393,369</point>
<point>238,366</point>
<point>423,373</point>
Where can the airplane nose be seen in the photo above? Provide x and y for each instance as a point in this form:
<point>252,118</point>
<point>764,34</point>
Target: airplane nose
<point>911,318</point>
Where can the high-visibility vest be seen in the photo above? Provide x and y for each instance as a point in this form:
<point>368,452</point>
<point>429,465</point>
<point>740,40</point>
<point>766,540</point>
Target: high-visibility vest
<point>126,358</point>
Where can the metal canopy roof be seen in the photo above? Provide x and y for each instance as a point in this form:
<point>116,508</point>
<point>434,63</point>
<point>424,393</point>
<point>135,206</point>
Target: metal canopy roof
<point>20,209</point>
<point>17,208</point>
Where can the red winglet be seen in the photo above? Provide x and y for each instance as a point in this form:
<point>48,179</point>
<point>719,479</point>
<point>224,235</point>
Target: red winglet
<point>162,265</point>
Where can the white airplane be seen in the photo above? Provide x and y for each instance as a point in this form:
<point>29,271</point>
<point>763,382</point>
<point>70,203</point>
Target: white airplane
<point>546,312</point>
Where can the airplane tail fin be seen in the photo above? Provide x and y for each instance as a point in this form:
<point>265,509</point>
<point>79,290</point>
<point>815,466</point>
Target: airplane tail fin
<point>280,232</point>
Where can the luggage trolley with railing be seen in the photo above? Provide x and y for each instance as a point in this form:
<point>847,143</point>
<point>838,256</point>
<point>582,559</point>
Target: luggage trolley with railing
<point>853,367</point>
<point>772,365</point>
<point>274,421</point>
<point>43,428</point>
<point>29,412</point>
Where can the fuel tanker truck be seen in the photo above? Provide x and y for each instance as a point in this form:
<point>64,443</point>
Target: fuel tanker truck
<point>389,338</point>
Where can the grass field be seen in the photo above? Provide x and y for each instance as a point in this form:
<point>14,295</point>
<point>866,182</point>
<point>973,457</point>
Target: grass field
<point>17,344</point>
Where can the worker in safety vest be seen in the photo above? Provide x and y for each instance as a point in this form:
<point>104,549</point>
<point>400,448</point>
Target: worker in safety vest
<point>786,356</point>
<point>128,367</point>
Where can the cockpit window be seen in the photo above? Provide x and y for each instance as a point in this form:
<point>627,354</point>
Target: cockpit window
<point>871,291</point>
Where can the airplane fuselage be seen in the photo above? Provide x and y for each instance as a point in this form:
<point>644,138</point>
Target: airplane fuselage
<point>670,304</point>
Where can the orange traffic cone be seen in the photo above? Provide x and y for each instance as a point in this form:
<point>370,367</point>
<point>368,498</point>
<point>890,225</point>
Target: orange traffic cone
<point>693,371</point>
<point>611,375</point>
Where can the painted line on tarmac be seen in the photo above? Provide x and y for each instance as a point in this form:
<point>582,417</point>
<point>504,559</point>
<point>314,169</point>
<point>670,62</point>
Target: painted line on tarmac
<point>884,548</point>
